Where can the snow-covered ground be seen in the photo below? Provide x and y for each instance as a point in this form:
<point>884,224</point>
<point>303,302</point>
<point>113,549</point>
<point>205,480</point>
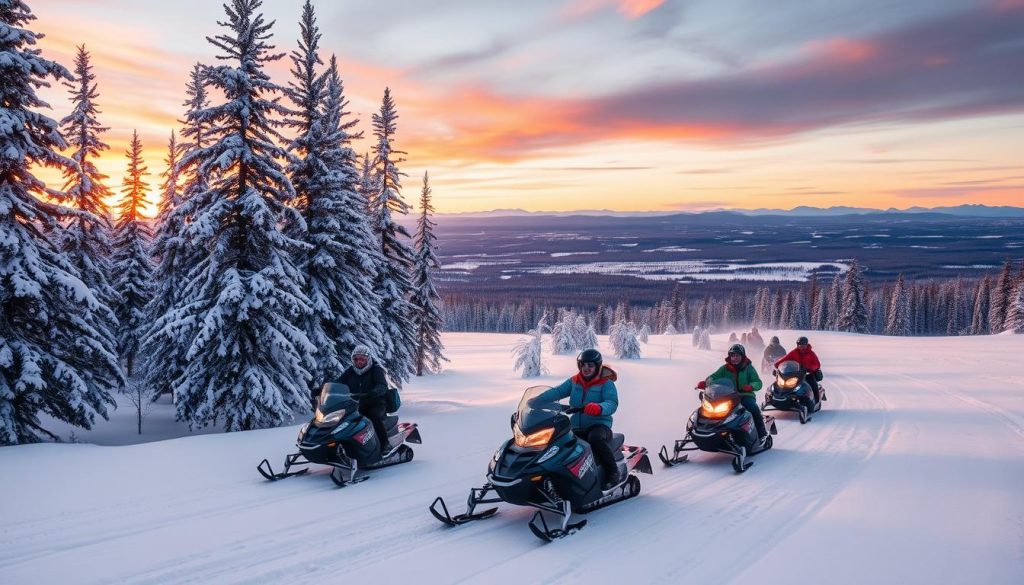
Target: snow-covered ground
<point>912,473</point>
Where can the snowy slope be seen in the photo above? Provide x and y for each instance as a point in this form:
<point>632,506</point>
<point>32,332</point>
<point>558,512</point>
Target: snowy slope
<point>911,474</point>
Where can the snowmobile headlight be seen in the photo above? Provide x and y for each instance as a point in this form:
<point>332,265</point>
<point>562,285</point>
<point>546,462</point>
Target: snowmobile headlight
<point>715,409</point>
<point>539,439</point>
<point>792,382</point>
<point>322,420</point>
<point>302,431</point>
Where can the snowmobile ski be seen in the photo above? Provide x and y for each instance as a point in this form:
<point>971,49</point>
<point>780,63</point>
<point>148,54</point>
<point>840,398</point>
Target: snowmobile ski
<point>440,511</point>
<point>289,461</point>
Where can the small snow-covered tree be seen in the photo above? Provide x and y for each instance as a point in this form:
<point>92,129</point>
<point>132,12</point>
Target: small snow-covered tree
<point>671,330</point>
<point>528,353</point>
<point>393,282</point>
<point>623,339</point>
<point>696,336</point>
<point>249,361</point>
<point>704,341</point>
<point>54,357</point>
<point>898,319</point>
<point>589,339</point>
<point>854,315</point>
<point>563,337</point>
<point>580,333</point>
<point>427,318</point>
<point>645,333</point>
<point>132,264</point>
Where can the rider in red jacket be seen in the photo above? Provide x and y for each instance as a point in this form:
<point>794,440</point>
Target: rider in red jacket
<point>808,360</point>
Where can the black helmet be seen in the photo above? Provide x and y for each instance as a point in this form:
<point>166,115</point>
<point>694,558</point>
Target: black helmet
<point>589,355</point>
<point>737,348</point>
<point>801,340</point>
<point>775,339</point>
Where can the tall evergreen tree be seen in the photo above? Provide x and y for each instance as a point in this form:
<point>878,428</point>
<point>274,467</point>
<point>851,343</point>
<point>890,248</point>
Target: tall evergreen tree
<point>1015,310</point>
<point>173,248</point>
<point>248,363</point>
<point>132,265</point>
<point>54,357</point>
<point>898,318</point>
<point>854,315</point>
<point>340,262</point>
<point>393,282</point>
<point>86,239</point>
<point>425,300</point>
<point>982,296</point>
<point>1000,299</point>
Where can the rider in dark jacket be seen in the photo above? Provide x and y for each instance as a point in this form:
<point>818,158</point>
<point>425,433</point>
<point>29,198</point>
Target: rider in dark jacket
<point>368,380</point>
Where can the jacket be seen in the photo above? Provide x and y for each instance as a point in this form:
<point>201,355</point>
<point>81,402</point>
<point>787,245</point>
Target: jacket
<point>807,359</point>
<point>372,384</point>
<point>600,389</point>
<point>743,375</point>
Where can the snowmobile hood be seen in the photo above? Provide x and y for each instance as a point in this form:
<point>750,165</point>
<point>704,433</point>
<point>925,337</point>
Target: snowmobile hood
<point>605,375</point>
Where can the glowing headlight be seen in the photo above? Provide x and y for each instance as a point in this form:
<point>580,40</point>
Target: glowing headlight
<point>538,439</point>
<point>716,409</point>
<point>792,382</point>
<point>302,431</point>
<point>320,420</point>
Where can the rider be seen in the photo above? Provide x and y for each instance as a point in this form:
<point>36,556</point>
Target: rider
<point>739,369</point>
<point>773,352</point>
<point>369,383</point>
<point>808,360</point>
<point>593,389</point>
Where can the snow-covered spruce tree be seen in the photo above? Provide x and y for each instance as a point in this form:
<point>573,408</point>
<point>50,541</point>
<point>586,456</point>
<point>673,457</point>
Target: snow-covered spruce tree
<point>340,263</point>
<point>249,361</point>
<point>999,304</point>
<point>53,357</point>
<point>528,353</point>
<point>164,347</point>
<point>86,238</point>
<point>696,336</point>
<point>670,330</point>
<point>367,184</point>
<point>957,319</point>
<point>623,339</point>
<point>645,333</point>
<point>979,315</point>
<point>589,339</point>
<point>854,315</point>
<point>393,282</point>
<point>1015,310</point>
<point>580,333</point>
<point>427,315</point>
<point>563,338</point>
<point>898,319</point>
<point>133,269</point>
<point>704,340</point>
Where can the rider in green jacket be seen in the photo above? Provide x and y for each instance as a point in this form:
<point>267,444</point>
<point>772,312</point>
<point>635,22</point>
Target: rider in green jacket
<point>738,368</point>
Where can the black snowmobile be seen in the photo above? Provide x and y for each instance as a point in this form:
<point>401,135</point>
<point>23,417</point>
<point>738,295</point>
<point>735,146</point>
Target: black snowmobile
<point>548,467</point>
<point>341,437</point>
<point>721,425</point>
<point>790,391</point>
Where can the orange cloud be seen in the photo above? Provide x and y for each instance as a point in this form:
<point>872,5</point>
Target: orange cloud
<point>844,50</point>
<point>631,9</point>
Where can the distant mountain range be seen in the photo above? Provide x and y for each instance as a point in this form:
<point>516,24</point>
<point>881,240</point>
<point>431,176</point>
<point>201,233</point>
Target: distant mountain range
<point>968,210</point>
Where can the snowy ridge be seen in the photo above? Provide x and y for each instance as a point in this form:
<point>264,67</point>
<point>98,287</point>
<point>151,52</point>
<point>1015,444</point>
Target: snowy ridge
<point>910,474</point>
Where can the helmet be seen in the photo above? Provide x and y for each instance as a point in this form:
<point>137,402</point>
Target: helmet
<point>775,339</point>
<point>801,340</point>
<point>361,350</point>
<point>737,348</point>
<point>589,355</point>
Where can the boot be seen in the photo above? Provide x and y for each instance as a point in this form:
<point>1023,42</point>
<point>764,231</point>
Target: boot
<point>611,479</point>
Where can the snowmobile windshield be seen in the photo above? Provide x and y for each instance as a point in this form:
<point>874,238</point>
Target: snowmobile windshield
<point>533,412</point>
<point>333,396</point>
<point>720,389</point>
<point>789,369</point>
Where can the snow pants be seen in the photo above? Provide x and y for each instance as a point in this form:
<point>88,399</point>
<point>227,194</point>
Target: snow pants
<point>749,401</point>
<point>600,439</point>
<point>376,410</point>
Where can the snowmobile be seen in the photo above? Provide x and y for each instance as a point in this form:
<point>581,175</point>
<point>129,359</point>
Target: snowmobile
<point>790,391</point>
<point>341,437</point>
<point>721,425</point>
<point>546,466</point>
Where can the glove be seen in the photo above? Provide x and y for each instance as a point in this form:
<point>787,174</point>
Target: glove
<point>818,375</point>
<point>748,388</point>
<point>592,409</point>
<point>702,385</point>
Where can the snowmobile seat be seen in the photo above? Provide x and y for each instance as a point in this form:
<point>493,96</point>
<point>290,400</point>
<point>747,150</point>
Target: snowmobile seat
<point>618,439</point>
<point>390,423</point>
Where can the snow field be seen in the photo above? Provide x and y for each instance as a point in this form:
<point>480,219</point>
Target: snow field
<point>910,474</point>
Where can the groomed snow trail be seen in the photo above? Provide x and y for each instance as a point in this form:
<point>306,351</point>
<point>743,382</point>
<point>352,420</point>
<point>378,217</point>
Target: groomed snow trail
<point>910,474</point>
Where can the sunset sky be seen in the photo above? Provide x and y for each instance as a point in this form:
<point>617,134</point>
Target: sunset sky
<point>627,105</point>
